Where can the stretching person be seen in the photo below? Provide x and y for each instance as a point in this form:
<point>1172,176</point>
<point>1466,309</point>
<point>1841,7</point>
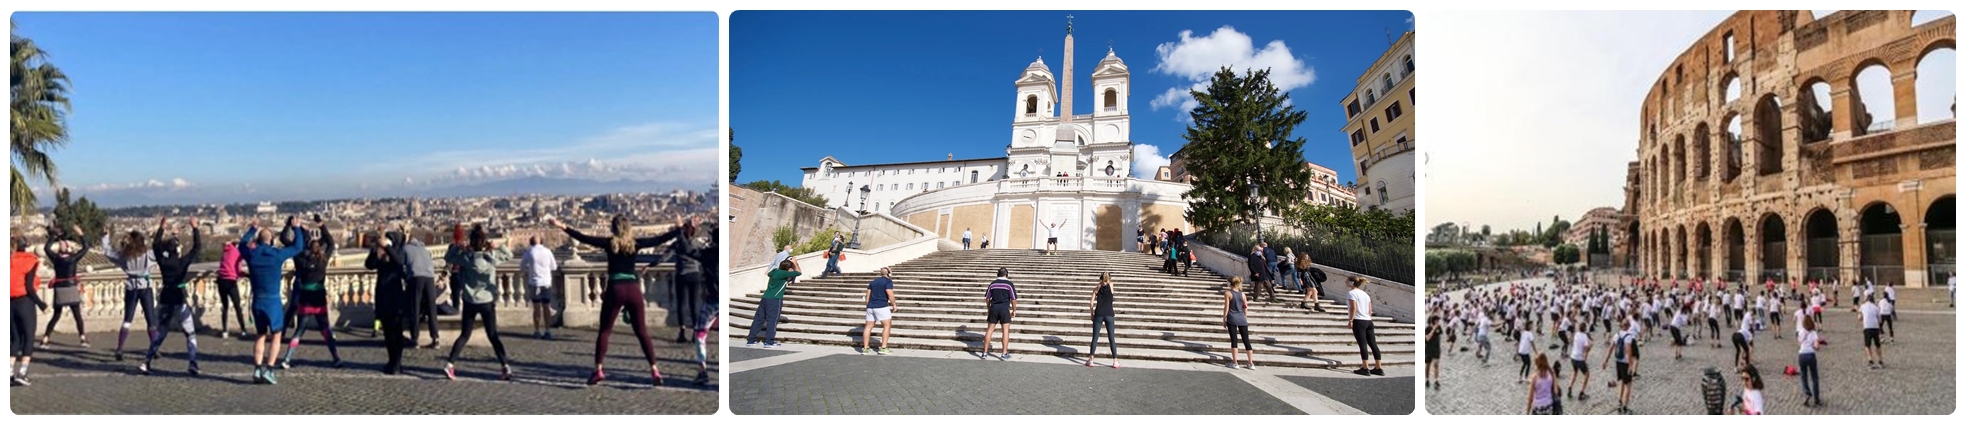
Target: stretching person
<point>135,258</point>
<point>23,301</point>
<point>477,269</point>
<point>68,289</point>
<point>880,311</point>
<point>624,290</point>
<point>688,292</point>
<point>1871,316</point>
<point>709,252</point>
<point>228,291</point>
<point>1051,237</point>
<point>764,325</point>
<point>537,266</point>
<point>1360,304</point>
<point>264,264</point>
<point>311,294</point>
<point>1433,350</point>
<point>393,296</point>
<point>1102,314</point>
<point>1235,315</point>
<point>420,274</point>
<point>1809,372</point>
<point>172,297</point>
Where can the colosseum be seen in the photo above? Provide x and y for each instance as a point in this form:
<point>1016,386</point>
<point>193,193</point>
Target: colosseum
<point>1782,144</point>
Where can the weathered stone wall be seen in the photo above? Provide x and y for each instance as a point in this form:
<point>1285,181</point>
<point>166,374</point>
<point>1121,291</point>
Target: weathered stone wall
<point>1708,207</point>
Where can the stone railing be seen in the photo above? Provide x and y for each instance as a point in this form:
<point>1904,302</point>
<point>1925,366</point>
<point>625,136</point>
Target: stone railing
<point>1389,299</point>
<point>577,290</point>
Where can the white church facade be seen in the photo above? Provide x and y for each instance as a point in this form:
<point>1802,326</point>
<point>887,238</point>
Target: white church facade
<point>1058,168</point>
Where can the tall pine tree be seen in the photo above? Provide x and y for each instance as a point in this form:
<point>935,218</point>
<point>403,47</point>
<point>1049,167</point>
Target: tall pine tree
<point>1241,136</point>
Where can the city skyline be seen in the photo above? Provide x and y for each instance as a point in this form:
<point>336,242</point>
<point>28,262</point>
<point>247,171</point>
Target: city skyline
<point>381,104</point>
<point>1575,119</point>
<point>967,66</point>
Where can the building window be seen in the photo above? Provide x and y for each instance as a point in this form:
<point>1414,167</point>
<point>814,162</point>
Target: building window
<point>1358,136</point>
<point>1030,105</point>
<point>1369,98</point>
<point>1112,100</point>
<point>1409,64</point>
<point>1393,112</point>
<point>1729,41</point>
<point>972,176</point>
<point>1375,125</point>
<point>1387,86</point>
<point>911,186</point>
<point>1382,192</point>
<point>938,185</point>
<point>1410,95</point>
<point>1351,110</point>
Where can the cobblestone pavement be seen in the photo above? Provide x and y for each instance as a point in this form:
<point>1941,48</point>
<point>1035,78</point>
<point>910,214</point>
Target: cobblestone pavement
<point>934,383</point>
<point>550,379</point>
<point>1919,378</point>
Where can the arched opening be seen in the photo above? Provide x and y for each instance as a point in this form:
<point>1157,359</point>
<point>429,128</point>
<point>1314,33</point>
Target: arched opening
<point>1814,110</point>
<point>1821,254</point>
<point>1386,83</point>
<point>1941,249</point>
<point>1732,140</point>
<point>1876,103</point>
<point>1768,135</point>
<point>1936,94</point>
<point>1679,253</point>
<point>1112,100</point>
<point>1632,244</point>
<point>1703,250</point>
<point>1731,89</point>
<point>1774,249</point>
<point>1030,105</point>
<point>1880,248</point>
<point>1923,16</point>
<point>1737,243</point>
<point>1409,64</point>
<point>1702,152</point>
<point>1678,168</point>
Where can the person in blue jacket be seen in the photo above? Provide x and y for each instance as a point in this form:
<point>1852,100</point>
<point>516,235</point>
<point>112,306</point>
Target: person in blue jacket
<point>264,263</point>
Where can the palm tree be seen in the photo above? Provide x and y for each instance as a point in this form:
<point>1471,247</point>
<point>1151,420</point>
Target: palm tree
<point>40,119</point>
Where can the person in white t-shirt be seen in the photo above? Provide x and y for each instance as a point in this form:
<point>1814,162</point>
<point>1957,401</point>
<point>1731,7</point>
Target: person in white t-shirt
<point>1481,325</point>
<point>1744,341</point>
<point>1678,335</point>
<point>1888,310</point>
<point>1808,371</point>
<point>1751,401</point>
<point>1580,350</point>
<point>1361,325</point>
<point>1870,314</point>
<point>1952,289</point>
<point>1525,346</point>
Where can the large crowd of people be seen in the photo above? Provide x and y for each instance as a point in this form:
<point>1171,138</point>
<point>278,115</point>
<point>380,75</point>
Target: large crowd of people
<point>286,273</point>
<point>1575,316</point>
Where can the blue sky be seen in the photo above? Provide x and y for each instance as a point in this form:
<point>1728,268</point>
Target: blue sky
<point>206,107</point>
<point>875,87</point>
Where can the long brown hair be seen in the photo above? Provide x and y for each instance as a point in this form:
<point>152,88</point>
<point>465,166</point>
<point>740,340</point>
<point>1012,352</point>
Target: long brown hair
<point>623,242</point>
<point>133,244</point>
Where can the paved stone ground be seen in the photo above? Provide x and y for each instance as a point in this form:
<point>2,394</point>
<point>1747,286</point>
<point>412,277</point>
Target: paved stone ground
<point>1388,396</point>
<point>831,380</point>
<point>1919,378</point>
<point>550,379</point>
<point>740,354</point>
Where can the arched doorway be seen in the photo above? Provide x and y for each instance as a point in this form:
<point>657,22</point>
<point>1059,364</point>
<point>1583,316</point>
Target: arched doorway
<point>1737,249</point>
<point>1680,251</point>
<point>1768,135</point>
<point>1774,249</point>
<point>1703,250</point>
<point>1941,250</point>
<point>1880,249</point>
<point>1821,253</point>
<point>1631,245</point>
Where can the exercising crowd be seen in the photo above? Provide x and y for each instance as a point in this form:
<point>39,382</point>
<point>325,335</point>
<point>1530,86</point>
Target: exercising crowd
<point>1576,317</point>
<point>405,290</point>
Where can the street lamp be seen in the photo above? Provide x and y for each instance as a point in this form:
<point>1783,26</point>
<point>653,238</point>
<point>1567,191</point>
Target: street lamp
<point>1255,202</point>
<point>864,193</point>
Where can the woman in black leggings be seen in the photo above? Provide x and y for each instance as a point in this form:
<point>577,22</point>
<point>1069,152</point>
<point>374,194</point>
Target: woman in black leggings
<point>68,289</point>
<point>477,291</point>
<point>310,302</point>
<point>1235,315</point>
<point>1361,324</point>
<point>624,290</point>
<point>1102,314</point>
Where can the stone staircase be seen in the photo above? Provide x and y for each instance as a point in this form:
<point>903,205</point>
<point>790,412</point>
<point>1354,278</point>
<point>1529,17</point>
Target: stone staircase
<point>1159,317</point>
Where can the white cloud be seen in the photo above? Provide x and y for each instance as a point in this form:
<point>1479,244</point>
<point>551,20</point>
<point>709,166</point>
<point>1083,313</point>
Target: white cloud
<point>1196,59</point>
<point>1147,161</point>
<point>175,183</point>
<point>642,152</point>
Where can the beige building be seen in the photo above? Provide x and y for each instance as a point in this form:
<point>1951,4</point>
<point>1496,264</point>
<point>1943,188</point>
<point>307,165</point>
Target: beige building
<point>1379,124</point>
<point>1325,188</point>
<point>1759,158</point>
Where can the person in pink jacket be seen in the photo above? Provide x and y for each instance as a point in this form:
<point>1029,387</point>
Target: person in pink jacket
<point>228,290</point>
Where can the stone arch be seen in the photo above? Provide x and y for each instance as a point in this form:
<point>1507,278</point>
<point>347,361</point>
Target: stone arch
<point>1678,168</point>
<point>1768,135</point>
<point>1632,244</point>
<point>1031,104</point>
<point>1702,152</point>
<point>1703,250</point>
<point>1736,241</point>
<point>1935,87</point>
<point>1814,111</point>
<point>1874,107</point>
<point>1680,252</point>
<point>1774,247</point>
<point>1112,99</point>
<point>1731,139</point>
<point>1941,243</point>
<point>1821,254</point>
<point>1880,243</point>
<point>1730,88</point>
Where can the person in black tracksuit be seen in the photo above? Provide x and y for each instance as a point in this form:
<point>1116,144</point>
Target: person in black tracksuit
<point>393,296</point>
<point>172,300</point>
<point>1259,274</point>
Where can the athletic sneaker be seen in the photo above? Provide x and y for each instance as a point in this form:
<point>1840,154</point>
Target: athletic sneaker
<point>885,351</point>
<point>703,378</point>
<point>597,378</point>
<point>450,371</point>
<point>772,345</point>
<point>1004,356</point>
<point>750,343</point>
<point>1362,372</point>
<point>1378,371</point>
<point>270,379</point>
<point>259,375</point>
<point>863,350</point>
<point>286,364</point>
<point>144,368</point>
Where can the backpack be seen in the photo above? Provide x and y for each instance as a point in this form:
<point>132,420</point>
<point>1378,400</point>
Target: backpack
<point>1317,274</point>
<point>1618,347</point>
